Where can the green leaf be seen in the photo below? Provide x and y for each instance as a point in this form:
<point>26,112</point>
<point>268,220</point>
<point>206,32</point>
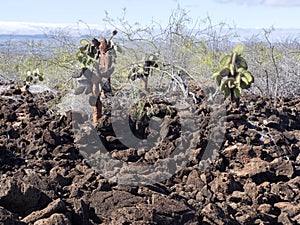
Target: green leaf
<point>244,80</point>
<point>241,62</point>
<point>225,61</point>
<point>88,89</point>
<point>215,74</point>
<point>92,100</point>
<point>226,92</point>
<point>225,72</point>
<point>230,84</point>
<point>79,54</point>
<point>244,85</point>
<point>82,49</point>
<point>29,78</point>
<point>118,49</point>
<point>241,70</point>
<point>89,61</point>
<point>88,74</point>
<point>79,90</point>
<point>248,76</point>
<point>84,42</point>
<point>224,87</point>
<point>83,81</point>
<point>82,66</point>
<point>237,92</point>
<point>84,60</point>
<point>218,80</point>
<point>238,49</point>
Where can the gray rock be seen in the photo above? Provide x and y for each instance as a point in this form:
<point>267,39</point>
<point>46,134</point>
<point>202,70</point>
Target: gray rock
<point>20,197</point>
<point>288,208</point>
<point>7,218</point>
<point>283,191</point>
<point>54,219</point>
<point>195,180</point>
<point>57,206</point>
<point>105,202</point>
<point>282,167</point>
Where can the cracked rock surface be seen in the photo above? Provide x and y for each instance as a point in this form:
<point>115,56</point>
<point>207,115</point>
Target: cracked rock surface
<point>45,177</point>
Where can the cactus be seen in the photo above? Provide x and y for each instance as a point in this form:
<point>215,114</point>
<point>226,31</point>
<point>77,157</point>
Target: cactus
<point>232,74</point>
<point>34,76</point>
<point>96,66</point>
<point>143,71</point>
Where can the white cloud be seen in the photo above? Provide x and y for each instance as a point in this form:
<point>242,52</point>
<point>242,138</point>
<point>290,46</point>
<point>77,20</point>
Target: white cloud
<point>284,3</point>
<point>24,28</point>
<point>40,28</point>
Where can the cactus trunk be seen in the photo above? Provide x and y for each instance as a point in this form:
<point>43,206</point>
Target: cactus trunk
<point>97,110</point>
<point>145,83</point>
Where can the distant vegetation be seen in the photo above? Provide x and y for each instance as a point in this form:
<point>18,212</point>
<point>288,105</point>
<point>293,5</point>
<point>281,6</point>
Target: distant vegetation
<point>198,50</point>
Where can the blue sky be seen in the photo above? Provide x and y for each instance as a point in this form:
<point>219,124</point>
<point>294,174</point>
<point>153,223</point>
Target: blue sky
<point>242,14</point>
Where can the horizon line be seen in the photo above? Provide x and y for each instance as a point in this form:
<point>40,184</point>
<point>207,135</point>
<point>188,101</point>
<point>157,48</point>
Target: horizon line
<point>81,23</point>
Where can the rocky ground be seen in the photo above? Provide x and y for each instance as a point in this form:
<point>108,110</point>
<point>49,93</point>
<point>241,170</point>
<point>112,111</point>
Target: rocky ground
<point>47,179</point>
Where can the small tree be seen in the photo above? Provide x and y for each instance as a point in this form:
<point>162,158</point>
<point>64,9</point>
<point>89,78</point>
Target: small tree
<point>232,74</point>
<point>96,59</point>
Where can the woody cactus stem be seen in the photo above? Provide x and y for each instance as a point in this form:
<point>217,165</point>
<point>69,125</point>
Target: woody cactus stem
<point>106,63</point>
<point>97,110</point>
<point>97,104</point>
<point>232,96</point>
<point>145,83</point>
<point>232,75</point>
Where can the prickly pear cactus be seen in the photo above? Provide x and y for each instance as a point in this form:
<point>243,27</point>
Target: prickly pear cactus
<point>34,76</point>
<point>142,70</point>
<point>93,60</point>
<point>232,74</point>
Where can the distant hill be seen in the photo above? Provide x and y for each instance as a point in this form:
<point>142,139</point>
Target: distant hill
<point>21,30</point>
<point>24,28</point>
<point>277,35</point>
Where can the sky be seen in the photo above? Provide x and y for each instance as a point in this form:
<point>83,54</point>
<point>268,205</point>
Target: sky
<point>238,13</point>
